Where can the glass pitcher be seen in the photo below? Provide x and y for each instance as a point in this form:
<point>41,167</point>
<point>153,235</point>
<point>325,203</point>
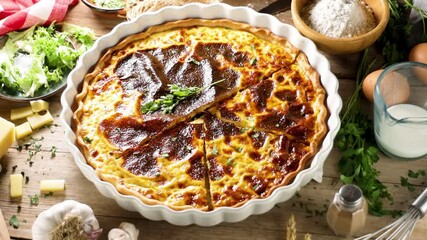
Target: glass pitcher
<point>400,110</point>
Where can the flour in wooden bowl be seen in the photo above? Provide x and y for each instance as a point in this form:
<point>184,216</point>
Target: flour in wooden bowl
<point>339,18</point>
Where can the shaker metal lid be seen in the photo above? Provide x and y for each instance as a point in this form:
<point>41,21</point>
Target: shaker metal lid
<point>350,194</point>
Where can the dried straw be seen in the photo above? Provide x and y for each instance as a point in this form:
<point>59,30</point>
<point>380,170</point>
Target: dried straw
<point>70,229</point>
<point>291,229</point>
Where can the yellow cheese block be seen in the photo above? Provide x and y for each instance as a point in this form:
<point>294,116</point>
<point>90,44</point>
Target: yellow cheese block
<point>19,113</point>
<point>36,120</point>
<point>16,185</point>
<point>52,185</point>
<point>7,135</point>
<point>23,130</point>
<point>39,105</point>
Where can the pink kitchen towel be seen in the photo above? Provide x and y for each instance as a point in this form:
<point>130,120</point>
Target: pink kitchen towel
<point>21,14</point>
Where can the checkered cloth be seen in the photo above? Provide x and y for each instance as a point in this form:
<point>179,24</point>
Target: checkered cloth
<point>21,14</point>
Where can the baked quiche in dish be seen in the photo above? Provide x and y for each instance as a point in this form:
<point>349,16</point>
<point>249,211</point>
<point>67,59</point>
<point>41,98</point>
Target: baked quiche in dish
<point>201,114</point>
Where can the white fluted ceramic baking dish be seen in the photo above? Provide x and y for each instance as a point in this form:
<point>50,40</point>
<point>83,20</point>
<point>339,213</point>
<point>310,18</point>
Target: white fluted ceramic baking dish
<point>213,11</point>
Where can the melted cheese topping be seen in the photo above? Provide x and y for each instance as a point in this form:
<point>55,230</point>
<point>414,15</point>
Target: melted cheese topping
<point>235,141</point>
<point>278,104</point>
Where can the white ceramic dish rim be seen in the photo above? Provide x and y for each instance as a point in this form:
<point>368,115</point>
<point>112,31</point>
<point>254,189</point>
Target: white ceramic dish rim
<point>212,11</point>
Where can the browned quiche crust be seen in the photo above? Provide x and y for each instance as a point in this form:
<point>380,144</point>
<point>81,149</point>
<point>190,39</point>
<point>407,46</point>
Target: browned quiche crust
<point>132,150</point>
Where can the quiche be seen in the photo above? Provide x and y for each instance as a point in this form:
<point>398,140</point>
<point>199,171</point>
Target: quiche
<point>200,114</point>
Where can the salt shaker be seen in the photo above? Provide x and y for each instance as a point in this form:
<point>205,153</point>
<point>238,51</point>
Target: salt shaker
<point>348,212</point>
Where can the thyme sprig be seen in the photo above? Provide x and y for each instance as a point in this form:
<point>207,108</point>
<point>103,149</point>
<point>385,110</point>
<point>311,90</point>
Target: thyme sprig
<point>176,94</point>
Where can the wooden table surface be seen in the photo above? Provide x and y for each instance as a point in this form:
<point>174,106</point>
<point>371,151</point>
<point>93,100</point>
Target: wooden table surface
<point>308,206</point>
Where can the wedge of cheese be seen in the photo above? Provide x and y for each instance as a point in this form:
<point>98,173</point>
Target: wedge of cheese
<point>39,105</point>
<point>16,185</point>
<point>7,135</point>
<point>36,120</point>
<point>19,113</point>
<point>52,185</point>
<point>23,130</point>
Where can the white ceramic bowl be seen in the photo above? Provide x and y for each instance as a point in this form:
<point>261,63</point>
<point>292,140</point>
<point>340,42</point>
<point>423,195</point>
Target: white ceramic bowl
<point>195,10</point>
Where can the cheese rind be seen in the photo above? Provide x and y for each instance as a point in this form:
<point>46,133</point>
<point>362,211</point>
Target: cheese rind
<point>7,135</point>
<point>52,185</point>
<point>16,185</point>
<point>23,130</point>
<point>39,105</point>
<point>19,113</point>
<point>36,120</point>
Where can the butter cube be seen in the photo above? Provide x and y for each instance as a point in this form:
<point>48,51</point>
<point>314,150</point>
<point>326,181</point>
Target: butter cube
<point>16,185</point>
<point>19,113</point>
<point>23,130</point>
<point>36,120</point>
<point>7,135</point>
<point>52,185</point>
<point>39,105</point>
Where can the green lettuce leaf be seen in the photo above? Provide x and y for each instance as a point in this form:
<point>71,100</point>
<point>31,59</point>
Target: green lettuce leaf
<point>40,57</point>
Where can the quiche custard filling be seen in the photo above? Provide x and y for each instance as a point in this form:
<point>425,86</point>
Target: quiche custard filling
<point>200,114</point>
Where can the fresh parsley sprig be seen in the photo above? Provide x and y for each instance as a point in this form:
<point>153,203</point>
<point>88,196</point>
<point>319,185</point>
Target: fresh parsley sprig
<point>357,144</point>
<point>404,181</point>
<point>176,94</point>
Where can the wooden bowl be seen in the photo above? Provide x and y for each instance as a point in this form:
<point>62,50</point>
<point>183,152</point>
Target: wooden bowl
<point>343,45</point>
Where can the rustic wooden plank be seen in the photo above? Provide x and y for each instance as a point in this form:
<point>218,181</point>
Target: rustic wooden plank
<point>308,206</point>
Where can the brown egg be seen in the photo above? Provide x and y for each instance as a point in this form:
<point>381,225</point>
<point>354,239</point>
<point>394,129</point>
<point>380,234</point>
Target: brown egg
<point>418,53</point>
<point>394,88</point>
<point>368,85</point>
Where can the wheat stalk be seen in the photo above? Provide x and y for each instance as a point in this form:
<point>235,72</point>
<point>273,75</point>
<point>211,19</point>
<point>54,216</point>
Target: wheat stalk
<point>291,229</point>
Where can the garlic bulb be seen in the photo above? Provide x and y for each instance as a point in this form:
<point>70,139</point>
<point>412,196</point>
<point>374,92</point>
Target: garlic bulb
<point>66,220</point>
<point>126,231</point>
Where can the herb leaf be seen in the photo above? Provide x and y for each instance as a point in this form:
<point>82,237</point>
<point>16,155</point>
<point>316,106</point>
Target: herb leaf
<point>53,151</point>
<point>87,139</point>
<point>214,151</point>
<point>405,183</point>
<point>14,222</point>
<point>176,94</point>
<point>34,200</point>
<point>417,174</point>
<point>253,61</point>
<point>230,161</point>
<point>193,60</point>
